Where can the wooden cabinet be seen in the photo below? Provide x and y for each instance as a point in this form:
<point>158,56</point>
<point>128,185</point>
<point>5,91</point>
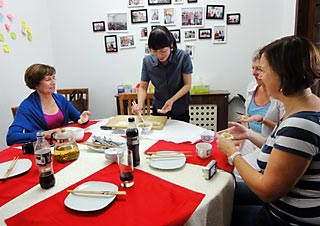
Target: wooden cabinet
<point>208,110</point>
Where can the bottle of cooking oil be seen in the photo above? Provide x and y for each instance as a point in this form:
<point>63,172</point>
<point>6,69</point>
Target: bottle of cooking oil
<point>65,148</point>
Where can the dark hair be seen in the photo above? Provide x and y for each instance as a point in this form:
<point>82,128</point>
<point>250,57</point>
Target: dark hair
<point>161,37</point>
<point>296,60</point>
<point>35,73</point>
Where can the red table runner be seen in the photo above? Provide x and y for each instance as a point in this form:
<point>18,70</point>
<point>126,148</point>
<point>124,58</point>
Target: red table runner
<point>151,201</point>
<point>15,186</point>
<point>220,157</point>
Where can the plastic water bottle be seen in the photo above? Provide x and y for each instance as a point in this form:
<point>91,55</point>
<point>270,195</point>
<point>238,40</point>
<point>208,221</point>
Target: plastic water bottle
<point>44,161</point>
<point>132,134</point>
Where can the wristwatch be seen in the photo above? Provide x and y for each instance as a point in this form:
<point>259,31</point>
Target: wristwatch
<point>233,156</point>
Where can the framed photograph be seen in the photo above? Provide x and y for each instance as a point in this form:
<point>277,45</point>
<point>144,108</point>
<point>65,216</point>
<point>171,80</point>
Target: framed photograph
<point>189,48</point>
<point>126,41</point>
<point>135,3</point>
<point>117,22</point>
<point>190,34</point>
<point>233,18</point>
<point>144,33</point>
<point>110,42</point>
<point>176,35</point>
<point>219,34</point>
<point>146,49</point>
<point>205,33</point>
<point>154,15</point>
<point>192,17</point>
<point>98,26</point>
<point>154,26</point>
<point>158,2</point>
<point>168,16</point>
<point>192,1</point>
<point>215,12</point>
<point>139,16</point>
<point>177,1</point>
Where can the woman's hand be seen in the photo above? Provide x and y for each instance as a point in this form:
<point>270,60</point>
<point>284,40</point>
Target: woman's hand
<point>48,133</point>
<point>225,145</point>
<point>253,118</point>
<point>238,131</point>
<point>166,107</point>
<point>136,109</point>
<point>84,117</point>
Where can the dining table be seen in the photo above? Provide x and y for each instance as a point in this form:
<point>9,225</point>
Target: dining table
<point>179,196</point>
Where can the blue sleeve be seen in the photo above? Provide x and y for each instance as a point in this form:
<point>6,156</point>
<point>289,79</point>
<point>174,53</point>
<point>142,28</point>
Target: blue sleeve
<point>187,64</point>
<point>144,71</point>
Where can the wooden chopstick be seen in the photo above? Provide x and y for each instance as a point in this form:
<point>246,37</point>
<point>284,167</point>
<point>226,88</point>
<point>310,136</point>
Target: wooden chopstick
<point>135,104</point>
<point>12,165</point>
<point>167,156</point>
<point>176,152</point>
<point>98,145</point>
<point>98,192</point>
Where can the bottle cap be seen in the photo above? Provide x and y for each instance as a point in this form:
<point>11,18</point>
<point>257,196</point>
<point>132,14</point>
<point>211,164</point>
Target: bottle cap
<point>131,119</point>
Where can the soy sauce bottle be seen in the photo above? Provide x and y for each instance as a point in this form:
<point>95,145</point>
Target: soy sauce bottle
<point>132,134</point>
<point>44,161</point>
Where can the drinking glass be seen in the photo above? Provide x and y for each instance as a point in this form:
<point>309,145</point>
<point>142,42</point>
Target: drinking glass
<point>125,162</point>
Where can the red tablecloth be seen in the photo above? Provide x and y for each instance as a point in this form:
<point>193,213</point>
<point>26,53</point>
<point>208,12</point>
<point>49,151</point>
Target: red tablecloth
<point>15,186</point>
<point>151,201</point>
<point>220,157</point>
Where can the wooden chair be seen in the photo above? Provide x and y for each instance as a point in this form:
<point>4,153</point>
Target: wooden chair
<point>126,99</point>
<point>85,95</point>
<point>14,110</point>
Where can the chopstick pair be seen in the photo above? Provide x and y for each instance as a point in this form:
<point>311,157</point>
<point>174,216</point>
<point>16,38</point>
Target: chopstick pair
<point>135,104</point>
<point>12,165</point>
<point>92,144</point>
<point>97,192</point>
<point>167,156</point>
<point>176,152</point>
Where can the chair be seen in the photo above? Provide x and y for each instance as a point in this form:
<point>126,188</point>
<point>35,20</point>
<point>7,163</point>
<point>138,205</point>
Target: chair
<point>14,110</point>
<point>79,97</point>
<point>126,99</point>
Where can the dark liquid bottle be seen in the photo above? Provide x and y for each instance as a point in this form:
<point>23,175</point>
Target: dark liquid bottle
<point>132,134</point>
<point>47,180</point>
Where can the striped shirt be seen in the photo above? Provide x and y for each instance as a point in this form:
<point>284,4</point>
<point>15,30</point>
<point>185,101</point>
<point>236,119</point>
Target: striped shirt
<point>299,134</point>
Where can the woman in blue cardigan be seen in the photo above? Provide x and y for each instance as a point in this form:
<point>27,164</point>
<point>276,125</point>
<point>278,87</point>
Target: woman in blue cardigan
<point>43,110</point>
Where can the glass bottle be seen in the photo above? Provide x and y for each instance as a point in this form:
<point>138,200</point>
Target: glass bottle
<point>132,134</point>
<point>44,161</point>
<point>65,148</point>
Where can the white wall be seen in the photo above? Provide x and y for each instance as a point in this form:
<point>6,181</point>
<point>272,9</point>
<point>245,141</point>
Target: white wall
<point>63,36</point>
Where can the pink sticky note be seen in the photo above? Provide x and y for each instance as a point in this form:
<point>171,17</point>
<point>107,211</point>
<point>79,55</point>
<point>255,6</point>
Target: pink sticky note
<point>7,27</point>
<point>1,3</point>
<point>10,17</point>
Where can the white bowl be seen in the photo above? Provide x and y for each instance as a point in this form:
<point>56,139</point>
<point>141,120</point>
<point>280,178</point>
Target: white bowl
<point>145,127</point>
<point>204,150</point>
<point>77,133</point>
<point>207,136</point>
<point>112,153</point>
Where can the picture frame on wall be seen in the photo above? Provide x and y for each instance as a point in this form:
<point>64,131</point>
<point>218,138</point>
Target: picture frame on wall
<point>98,26</point>
<point>177,2</point>
<point>135,3</point>
<point>126,41</point>
<point>189,48</point>
<point>192,1</point>
<point>205,33</point>
<point>215,12</point>
<point>192,16</point>
<point>154,15</point>
<point>146,49</point>
<point>154,26</point>
<point>219,34</point>
<point>139,16</point>
<point>117,22</point>
<point>110,42</point>
<point>233,18</point>
<point>159,2</point>
<point>168,16</point>
<point>190,34</point>
<point>144,33</point>
<point>176,34</point>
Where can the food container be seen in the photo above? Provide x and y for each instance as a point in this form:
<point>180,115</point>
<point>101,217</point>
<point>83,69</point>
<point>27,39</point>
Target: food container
<point>112,153</point>
<point>145,127</point>
<point>77,133</point>
<point>207,136</point>
<point>65,148</point>
<point>204,150</point>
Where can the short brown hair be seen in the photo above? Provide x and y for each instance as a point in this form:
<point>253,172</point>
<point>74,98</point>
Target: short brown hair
<point>296,60</point>
<point>35,73</point>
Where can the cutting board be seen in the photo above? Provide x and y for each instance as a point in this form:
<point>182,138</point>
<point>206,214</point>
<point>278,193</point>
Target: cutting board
<point>121,121</point>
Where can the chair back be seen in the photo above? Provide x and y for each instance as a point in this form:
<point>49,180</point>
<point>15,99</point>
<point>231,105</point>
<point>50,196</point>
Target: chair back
<point>14,110</point>
<point>79,97</point>
<point>126,99</point>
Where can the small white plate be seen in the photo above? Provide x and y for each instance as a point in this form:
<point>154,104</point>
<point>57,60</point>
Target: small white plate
<point>22,166</point>
<point>88,202</point>
<point>176,162</point>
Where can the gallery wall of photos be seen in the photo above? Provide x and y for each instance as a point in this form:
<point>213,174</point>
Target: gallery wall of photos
<point>186,21</point>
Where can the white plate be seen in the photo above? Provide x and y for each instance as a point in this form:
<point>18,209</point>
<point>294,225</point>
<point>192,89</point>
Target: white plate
<point>115,138</point>
<point>176,162</point>
<point>22,166</point>
<point>88,202</point>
